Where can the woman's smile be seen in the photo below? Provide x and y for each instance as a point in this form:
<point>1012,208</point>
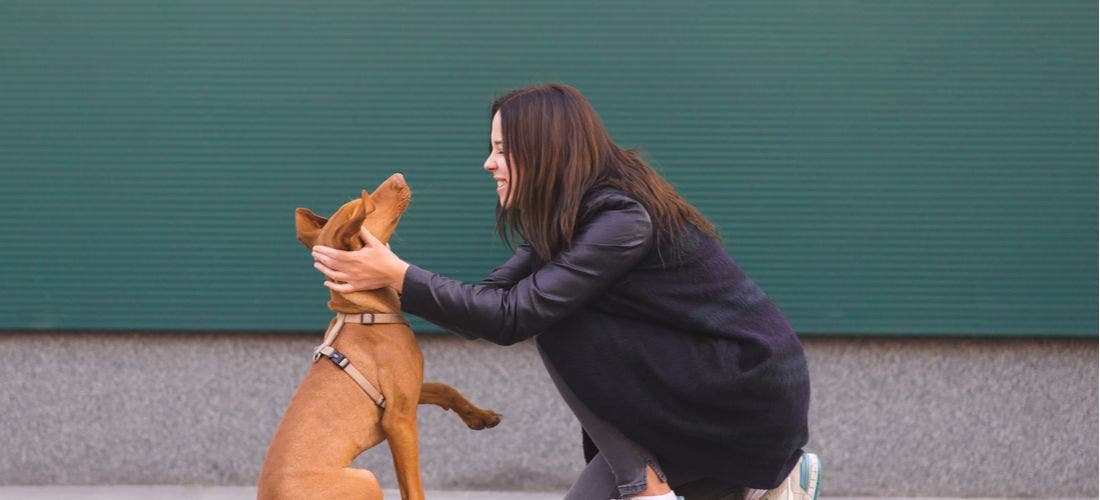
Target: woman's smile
<point>497,164</point>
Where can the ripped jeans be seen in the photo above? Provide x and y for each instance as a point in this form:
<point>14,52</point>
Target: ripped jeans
<point>619,469</point>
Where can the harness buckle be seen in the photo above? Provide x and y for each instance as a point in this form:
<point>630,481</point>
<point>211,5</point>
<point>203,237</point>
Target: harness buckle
<point>338,359</point>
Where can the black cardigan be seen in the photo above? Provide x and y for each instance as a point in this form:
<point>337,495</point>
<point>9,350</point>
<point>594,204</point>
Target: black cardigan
<point>675,346</point>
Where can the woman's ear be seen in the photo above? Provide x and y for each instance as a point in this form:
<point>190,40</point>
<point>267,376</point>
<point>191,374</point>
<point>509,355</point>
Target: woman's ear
<point>308,225</point>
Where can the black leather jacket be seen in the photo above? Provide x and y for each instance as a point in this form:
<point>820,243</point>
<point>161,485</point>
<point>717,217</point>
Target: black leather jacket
<point>685,355</point>
<point>517,301</point>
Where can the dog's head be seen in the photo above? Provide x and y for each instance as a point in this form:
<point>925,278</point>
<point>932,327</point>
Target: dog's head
<point>379,212</point>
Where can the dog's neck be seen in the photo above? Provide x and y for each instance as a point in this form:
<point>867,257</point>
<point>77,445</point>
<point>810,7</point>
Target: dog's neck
<point>382,300</point>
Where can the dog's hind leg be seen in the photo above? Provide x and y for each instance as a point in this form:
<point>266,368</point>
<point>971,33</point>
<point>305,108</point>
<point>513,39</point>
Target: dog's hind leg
<point>358,484</point>
<point>448,398</point>
<point>337,484</point>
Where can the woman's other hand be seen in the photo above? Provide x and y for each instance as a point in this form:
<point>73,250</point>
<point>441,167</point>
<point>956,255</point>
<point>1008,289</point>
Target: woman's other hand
<point>371,267</point>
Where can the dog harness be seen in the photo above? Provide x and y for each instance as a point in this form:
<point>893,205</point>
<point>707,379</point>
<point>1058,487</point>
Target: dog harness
<point>326,349</point>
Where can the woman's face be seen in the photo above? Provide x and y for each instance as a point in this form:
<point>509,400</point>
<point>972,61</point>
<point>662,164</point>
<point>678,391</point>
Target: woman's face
<point>497,165</point>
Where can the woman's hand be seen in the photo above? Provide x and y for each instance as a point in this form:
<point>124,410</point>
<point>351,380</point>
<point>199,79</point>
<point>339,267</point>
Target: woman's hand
<point>371,267</point>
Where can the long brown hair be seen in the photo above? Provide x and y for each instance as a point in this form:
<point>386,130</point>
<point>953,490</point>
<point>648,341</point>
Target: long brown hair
<point>561,151</point>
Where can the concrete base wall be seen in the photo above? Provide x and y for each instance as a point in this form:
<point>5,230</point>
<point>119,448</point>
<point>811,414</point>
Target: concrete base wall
<point>890,417</point>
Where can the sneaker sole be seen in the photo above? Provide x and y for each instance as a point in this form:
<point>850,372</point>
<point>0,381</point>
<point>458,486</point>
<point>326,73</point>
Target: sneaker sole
<point>810,474</point>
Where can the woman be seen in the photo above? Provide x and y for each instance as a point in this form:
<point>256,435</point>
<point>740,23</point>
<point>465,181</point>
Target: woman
<point>682,372</point>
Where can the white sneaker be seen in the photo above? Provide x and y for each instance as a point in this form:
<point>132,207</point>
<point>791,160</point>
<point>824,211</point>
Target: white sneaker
<point>801,484</point>
<point>667,496</point>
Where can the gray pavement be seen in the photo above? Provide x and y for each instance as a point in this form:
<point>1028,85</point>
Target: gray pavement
<point>219,493</point>
<point>249,493</point>
<point>889,417</point>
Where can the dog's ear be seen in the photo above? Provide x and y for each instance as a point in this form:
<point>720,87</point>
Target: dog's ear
<point>348,234</point>
<point>368,203</point>
<point>309,226</point>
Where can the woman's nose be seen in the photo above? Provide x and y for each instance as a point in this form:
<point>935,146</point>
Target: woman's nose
<point>489,164</point>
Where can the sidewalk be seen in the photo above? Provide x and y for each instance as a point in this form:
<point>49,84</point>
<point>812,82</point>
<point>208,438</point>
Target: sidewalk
<point>219,493</point>
<point>249,493</point>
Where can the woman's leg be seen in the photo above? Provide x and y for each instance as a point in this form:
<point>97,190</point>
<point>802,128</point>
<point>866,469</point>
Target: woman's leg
<point>709,489</point>
<point>693,486</point>
<point>595,481</point>
<point>633,469</point>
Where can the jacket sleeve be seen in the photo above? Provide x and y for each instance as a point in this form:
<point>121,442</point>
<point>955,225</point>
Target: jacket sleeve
<point>604,248</point>
<point>511,271</point>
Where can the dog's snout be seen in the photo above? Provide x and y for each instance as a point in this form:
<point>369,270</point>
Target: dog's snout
<point>397,181</point>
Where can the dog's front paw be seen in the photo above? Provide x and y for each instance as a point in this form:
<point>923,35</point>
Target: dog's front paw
<point>481,419</point>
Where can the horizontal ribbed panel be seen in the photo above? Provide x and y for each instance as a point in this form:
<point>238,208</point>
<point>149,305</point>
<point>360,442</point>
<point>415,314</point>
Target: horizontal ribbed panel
<point>878,167</point>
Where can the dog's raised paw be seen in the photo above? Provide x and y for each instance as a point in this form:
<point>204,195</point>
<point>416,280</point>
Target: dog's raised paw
<point>483,419</point>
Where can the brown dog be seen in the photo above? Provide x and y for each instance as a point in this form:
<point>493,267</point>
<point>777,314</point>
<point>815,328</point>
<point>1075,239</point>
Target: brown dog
<point>332,419</point>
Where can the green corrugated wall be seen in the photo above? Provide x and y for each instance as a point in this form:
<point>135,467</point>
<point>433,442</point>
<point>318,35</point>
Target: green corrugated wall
<point>897,168</point>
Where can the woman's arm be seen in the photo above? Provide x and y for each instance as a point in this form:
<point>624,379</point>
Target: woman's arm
<point>506,275</point>
<point>511,271</point>
<point>604,248</point>
<point>376,266</point>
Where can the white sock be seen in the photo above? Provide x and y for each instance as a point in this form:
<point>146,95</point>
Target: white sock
<point>667,496</point>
